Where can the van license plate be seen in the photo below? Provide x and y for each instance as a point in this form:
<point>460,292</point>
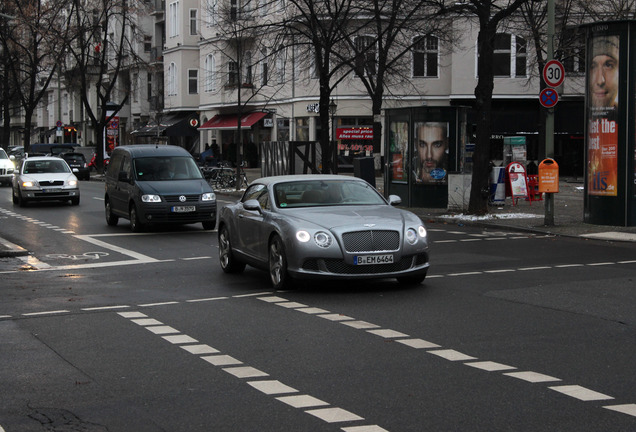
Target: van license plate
<point>372,259</point>
<point>183,209</point>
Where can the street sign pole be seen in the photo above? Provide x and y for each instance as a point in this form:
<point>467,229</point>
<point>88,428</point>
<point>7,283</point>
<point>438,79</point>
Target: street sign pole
<point>549,121</point>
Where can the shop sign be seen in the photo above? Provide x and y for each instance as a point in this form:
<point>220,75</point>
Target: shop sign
<point>313,108</point>
<point>354,133</point>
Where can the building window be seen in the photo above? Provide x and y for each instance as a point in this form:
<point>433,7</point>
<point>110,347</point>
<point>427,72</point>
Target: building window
<point>572,53</point>
<point>172,79</point>
<point>264,68</point>
<point>147,44</point>
<point>194,21</point>
<point>280,65</point>
<point>302,129</point>
<point>149,85</point>
<point>282,129</point>
<point>510,56</point>
<point>193,81</point>
<point>232,74</point>
<point>173,16</point>
<point>425,56</point>
<point>135,89</point>
<point>247,75</point>
<point>365,56</point>
<point>210,73</point>
<point>211,10</point>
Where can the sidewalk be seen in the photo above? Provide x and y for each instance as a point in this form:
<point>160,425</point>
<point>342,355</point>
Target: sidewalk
<point>525,216</point>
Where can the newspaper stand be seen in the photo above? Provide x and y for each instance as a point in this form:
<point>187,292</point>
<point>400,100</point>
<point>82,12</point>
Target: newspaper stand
<point>517,182</point>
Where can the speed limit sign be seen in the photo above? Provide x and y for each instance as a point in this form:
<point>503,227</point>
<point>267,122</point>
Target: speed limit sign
<point>553,73</point>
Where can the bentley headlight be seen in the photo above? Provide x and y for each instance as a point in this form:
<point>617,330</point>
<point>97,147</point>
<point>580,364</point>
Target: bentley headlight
<point>322,239</point>
<point>411,236</point>
<point>421,231</point>
<point>303,236</point>
<point>207,196</point>
<point>151,198</point>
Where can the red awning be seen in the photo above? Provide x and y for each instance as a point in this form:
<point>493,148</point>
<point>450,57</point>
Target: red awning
<point>228,122</point>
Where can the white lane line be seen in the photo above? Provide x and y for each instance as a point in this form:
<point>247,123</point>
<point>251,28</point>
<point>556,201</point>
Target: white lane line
<point>272,299</point>
<point>180,339</point>
<point>580,393</point>
<point>336,317</point>
<point>302,401</point>
<point>200,349</point>
<point>600,264</point>
<point>387,333</point>
<point>465,273</point>
<point>90,309</point>
<point>312,310</point>
<point>272,387</point>
<point>206,299</point>
<point>195,258</point>
<point>371,428</point>
<point>162,330</point>
<point>5,316</point>
<point>147,322</point>
<point>627,262</point>
<point>46,313</point>
<point>452,355</point>
<point>245,372</point>
<point>250,295</point>
<point>334,415</point>
<point>534,268</point>
<point>490,366</point>
<point>499,271</point>
<point>360,325</point>
<point>159,304</point>
<point>221,360</point>
<point>629,409</point>
<point>418,343</point>
<point>132,314</point>
<point>291,305</point>
<point>532,377</point>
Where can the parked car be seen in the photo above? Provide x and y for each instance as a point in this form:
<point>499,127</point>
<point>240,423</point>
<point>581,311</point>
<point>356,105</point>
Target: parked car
<point>322,227</point>
<point>6,168</point>
<point>51,148</point>
<point>45,178</point>
<point>157,184</point>
<point>78,164</point>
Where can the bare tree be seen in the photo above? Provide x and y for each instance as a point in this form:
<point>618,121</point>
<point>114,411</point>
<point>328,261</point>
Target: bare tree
<point>101,48</point>
<point>381,61</point>
<point>322,28</point>
<point>33,52</point>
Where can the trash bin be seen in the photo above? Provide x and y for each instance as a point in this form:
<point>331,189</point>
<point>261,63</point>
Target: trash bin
<point>497,186</point>
<point>548,176</point>
<point>364,168</point>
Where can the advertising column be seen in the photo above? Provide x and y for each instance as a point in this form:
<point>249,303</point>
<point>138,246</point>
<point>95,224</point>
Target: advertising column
<point>609,146</point>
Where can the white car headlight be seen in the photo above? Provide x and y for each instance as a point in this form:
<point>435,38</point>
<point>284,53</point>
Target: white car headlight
<point>28,184</point>
<point>421,231</point>
<point>72,182</point>
<point>303,236</point>
<point>322,239</point>
<point>151,198</point>
<point>208,196</point>
<point>411,236</point>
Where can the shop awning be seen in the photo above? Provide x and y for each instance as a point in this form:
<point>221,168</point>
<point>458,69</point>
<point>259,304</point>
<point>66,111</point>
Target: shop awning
<point>229,122</point>
<point>178,124</point>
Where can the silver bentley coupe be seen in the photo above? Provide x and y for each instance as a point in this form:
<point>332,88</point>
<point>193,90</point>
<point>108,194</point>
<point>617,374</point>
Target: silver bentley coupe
<point>321,227</point>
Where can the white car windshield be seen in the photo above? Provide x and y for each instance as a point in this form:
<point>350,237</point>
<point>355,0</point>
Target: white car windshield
<point>163,168</point>
<point>312,193</point>
<point>3,154</point>
<point>45,167</point>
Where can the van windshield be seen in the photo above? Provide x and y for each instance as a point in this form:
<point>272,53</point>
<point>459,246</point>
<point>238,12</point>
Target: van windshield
<point>163,168</point>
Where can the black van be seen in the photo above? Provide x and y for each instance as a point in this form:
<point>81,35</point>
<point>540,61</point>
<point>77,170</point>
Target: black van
<point>157,184</point>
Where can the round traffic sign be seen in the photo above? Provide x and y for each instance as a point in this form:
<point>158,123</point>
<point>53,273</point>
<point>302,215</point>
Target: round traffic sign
<point>553,73</point>
<point>548,97</point>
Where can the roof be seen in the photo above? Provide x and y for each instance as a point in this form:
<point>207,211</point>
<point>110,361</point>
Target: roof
<point>147,150</point>
<point>303,177</point>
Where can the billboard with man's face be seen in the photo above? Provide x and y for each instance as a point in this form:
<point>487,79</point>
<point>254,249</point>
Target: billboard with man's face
<point>602,116</point>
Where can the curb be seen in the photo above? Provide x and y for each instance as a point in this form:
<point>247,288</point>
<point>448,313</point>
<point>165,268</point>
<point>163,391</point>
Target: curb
<point>8,249</point>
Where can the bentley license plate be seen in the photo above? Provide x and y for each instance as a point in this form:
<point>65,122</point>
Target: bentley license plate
<point>372,259</point>
<point>183,209</point>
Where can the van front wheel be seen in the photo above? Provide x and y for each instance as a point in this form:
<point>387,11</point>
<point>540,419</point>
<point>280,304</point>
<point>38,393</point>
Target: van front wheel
<point>135,224</point>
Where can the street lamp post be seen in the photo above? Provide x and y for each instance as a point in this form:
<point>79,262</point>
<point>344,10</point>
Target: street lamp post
<point>333,106</point>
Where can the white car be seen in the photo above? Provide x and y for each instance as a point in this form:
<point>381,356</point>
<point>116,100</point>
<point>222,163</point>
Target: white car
<point>45,178</point>
<point>6,168</point>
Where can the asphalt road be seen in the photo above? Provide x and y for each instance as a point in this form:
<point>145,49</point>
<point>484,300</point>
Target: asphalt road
<point>105,330</point>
